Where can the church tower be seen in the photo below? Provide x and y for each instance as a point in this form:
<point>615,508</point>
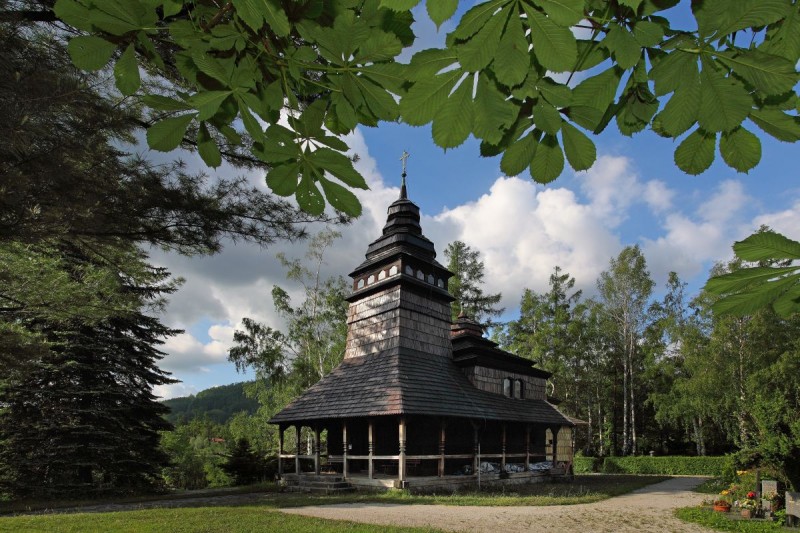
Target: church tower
<point>400,299</point>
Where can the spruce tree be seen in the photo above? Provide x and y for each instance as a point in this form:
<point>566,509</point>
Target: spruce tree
<point>81,419</point>
<point>466,285</point>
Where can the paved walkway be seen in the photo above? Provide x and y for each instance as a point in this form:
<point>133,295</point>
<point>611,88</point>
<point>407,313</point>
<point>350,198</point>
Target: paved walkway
<point>646,509</point>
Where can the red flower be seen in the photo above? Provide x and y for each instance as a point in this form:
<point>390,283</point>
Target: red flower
<point>751,495</point>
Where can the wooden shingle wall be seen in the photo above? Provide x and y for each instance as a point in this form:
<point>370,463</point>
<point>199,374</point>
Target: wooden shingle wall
<point>397,317</point>
<point>491,380</point>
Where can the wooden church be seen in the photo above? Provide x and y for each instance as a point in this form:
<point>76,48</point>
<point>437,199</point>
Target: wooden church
<point>419,402</point>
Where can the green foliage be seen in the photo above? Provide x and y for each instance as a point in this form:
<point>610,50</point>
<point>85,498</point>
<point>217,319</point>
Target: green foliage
<point>259,58</point>
<point>234,519</point>
<point>244,465</point>
<point>664,465</point>
<point>774,282</point>
<point>219,404</point>
<point>196,455</point>
<point>80,417</point>
<point>720,522</point>
<point>313,343</point>
<point>466,284</point>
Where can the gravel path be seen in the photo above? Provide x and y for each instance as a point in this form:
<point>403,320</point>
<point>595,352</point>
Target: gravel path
<point>646,509</point>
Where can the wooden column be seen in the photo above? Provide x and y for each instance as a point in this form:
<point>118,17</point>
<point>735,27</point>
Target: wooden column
<point>441,448</point>
<point>527,446</point>
<point>401,466</point>
<point>503,450</point>
<point>344,449</point>
<point>475,458</point>
<point>370,437</point>
<point>281,429</point>
<point>297,453</point>
<point>554,431</point>
<point>316,449</point>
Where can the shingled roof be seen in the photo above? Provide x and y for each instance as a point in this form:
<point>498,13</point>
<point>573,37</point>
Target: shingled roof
<point>409,383</point>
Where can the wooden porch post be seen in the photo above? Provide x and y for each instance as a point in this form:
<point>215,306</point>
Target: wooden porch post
<point>316,449</point>
<point>371,447</point>
<point>297,453</point>
<point>554,431</point>
<point>281,429</point>
<point>344,450</point>
<point>441,448</point>
<point>401,466</point>
<point>503,450</point>
<point>475,465</point>
<point>527,446</point>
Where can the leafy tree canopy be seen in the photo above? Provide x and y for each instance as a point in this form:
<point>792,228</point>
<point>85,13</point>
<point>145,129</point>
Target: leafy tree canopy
<point>252,62</point>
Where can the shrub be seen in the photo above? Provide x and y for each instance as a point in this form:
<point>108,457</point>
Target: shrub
<point>665,465</point>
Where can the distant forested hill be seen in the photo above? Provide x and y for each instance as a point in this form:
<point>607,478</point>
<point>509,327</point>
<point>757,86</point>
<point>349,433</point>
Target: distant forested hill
<point>218,403</point>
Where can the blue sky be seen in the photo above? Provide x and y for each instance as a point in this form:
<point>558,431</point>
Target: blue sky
<point>634,194</point>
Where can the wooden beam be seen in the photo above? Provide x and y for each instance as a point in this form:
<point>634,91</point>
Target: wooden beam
<point>554,431</point>
<point>370,437</point>
<point>401,466</point>
<point>503,450</point>
<point>527,446</point>
<point>297,457</point>
<point>441,448</point>
<point>316,449</point>
<point>475,465</point>
<point>344,451</point>
<point>281,429</point>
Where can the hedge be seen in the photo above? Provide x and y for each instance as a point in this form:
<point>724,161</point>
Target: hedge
<point>664,465</point>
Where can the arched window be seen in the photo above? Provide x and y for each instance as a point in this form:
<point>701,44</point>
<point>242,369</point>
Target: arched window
<point>393,270</point>
<point>409,270</point>
<point>371,279</point>
<point>361,283</point>
<point>382,275</point>
<point>507,387</point>
<point>519,389</point>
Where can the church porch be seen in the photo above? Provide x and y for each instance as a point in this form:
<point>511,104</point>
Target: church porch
<point>427,454</point>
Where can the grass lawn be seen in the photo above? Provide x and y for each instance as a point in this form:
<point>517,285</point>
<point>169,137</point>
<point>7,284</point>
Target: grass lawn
<point>257,511</point>
<point>192,519</point>
<point>721,522</point>
<point>585,489</point>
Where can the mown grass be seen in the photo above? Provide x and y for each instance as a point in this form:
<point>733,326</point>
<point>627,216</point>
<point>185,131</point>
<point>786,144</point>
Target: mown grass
<point>584,489</point>
<point>202,519</point>
<point>722,522</point>
<point>258,511</point>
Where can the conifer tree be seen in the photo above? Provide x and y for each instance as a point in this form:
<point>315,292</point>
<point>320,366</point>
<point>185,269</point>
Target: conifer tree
<point>466,285</point>
<point>81,419</point>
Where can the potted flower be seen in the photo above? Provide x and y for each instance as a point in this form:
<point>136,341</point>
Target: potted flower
<point>722,506</point>
<point>749,505</point>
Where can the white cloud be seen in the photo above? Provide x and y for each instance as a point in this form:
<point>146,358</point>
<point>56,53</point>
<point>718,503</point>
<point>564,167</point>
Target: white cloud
<point>523,231</point>
<point>786,222</point>
<point>690,243</point>
<point>174,390</point>
<point>186,353</point>
<point>658,196</point>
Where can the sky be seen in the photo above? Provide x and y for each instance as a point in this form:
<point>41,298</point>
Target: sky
<point>634,194</point>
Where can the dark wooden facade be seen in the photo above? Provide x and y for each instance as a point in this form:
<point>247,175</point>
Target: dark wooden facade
<point>418,397</point>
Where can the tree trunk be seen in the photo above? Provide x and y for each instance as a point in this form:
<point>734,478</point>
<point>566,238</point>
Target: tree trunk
<point>632,348</point>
